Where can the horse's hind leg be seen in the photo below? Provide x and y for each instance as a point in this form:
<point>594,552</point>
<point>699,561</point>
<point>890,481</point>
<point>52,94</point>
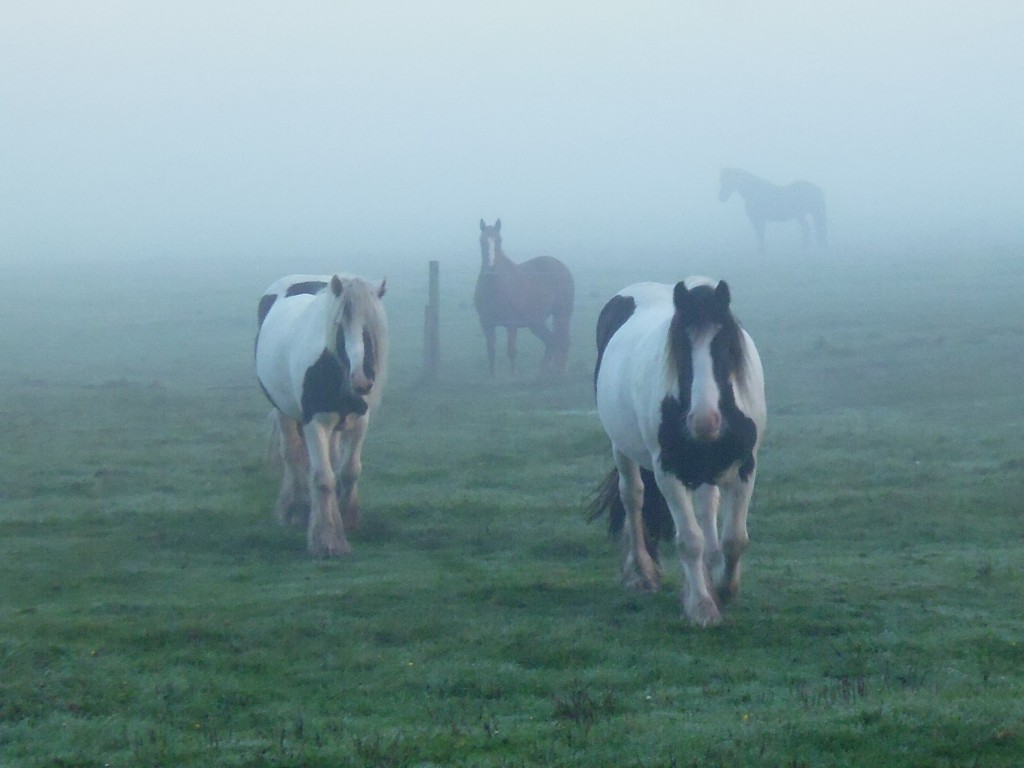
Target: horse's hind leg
<point>805,229</point>
<point>513,347</point>
<point>542,332</point>
<point>489,331</point>
<point>735,502</point>
<point>759,232</point>
<point>560,333</point>
<point>326,533</point>
<point>293,498</point>
<point>820,225</point>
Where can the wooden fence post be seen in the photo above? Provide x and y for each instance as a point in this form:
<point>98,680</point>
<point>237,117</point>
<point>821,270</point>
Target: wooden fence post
<point>432,327</point>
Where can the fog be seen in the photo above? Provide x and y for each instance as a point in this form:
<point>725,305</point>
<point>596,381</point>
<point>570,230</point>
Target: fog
<point>323,129</point>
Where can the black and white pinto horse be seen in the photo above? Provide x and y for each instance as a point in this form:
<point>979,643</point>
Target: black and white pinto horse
<point>680,393</point>
<point>766,202</point>
<point>321,359</point>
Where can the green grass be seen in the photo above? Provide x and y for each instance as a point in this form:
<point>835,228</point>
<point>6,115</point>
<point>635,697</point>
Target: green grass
<point>153,612</point>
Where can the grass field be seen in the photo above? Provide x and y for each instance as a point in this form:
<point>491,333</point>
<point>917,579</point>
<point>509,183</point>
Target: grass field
<point>152,612</point>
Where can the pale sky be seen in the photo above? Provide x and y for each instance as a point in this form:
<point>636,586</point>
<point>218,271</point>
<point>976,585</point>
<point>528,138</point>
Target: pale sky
<point>234,128</point>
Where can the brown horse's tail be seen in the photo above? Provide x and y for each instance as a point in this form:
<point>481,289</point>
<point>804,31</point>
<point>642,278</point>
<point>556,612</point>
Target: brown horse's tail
<point>561,319</point>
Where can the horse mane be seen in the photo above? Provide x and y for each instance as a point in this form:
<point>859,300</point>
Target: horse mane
<point>361,297</point>
<point>733,174</point>
<point>705,304</point>
<point>741,180</point>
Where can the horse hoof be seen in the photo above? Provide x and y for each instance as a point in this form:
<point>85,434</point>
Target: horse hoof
<point>352,517</point>
<point>727,584</point>
<point>704,612</point>
<point>636,582</point>
<point>332,549</point>
<point>295,513</point>
<point>727,593</point>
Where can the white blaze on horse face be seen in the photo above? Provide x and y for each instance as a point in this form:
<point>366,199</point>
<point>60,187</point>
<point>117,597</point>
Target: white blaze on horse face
<point>704,420</point>
<point>488,247</point>
<point>355,350</point>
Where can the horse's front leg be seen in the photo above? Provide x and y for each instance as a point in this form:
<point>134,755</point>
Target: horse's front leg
<point>542,332</point>
<point>698,603</point>
<point>805,229</point>
<point>735,503</point>
<point>293,499</point>
<point>347,463</point>
<point>513,346</point>
<point>326,533</point>
<point>639,571</point>
<point>489,332</point>
<point>759,232</point>
<point>705,501</point>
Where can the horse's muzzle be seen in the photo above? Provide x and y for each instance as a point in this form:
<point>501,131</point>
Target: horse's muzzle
<point>704,426</point>
<point>361,383</point>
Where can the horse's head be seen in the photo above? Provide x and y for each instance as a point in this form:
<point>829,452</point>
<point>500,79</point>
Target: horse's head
<point>707,352</point>
<point>726,184</point>
<point>490,243</point>
<point>358,328</point>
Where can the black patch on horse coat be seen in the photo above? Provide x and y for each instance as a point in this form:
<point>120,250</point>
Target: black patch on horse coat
<point>312,287</point>
<point>325,389</point>
<point>613,316</point>
<point>264,308</point>
<point>696,462</point>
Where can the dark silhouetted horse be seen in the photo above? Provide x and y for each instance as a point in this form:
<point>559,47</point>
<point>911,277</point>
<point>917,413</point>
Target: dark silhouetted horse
<point>767,202</point>
<point>523,296</point>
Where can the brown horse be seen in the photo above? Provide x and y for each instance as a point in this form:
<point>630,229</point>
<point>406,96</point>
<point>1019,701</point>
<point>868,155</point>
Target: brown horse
<point>523,296</point>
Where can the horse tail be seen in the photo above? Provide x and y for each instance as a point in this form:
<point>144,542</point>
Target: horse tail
<point>607,500</point>
<point>818,213</point>
<point>658,523</point>
<point>561,317</point>
<point>274,438</point>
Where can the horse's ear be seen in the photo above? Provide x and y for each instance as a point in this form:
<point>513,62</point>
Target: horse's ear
<point>679,295</point>
<point>383,288</point>
<point>497,225</point>
<point>336,285</point>
<point>483,226</point>
<point>722,294</point>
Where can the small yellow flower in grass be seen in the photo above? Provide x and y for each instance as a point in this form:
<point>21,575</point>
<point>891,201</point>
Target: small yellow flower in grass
<point>746,718</point>
<point>197,726</point>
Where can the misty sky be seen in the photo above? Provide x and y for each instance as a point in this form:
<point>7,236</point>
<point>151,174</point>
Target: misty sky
<point>235,128</point>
